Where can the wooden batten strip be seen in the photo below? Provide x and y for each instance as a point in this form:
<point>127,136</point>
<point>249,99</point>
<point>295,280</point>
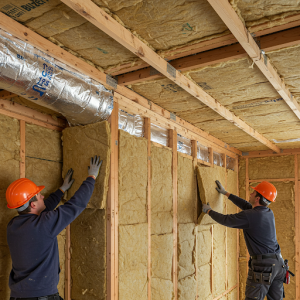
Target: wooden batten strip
<point>236,169</point>
<point>68,264</point>
<point>22,148</point>
<point>226,230</point>
<point>226,292</point>
<point>247,195</point>
<point>173,145</point>
<point>212,261</point>
<point>211,156</point>
<point>269,153</point>
<point>147,135</point>
<point>297,228</point>
<point>110,26</point>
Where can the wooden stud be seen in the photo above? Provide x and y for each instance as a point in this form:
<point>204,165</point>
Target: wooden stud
<point>110,26</point>
<point>211,156</point>
<point>236,26</point>
<point>22,148</point>
<point>6,95</point>
<point>268,153</point>
<point>236,169</point>
<point>112,212</point>
<point>226,231</point>
<point>270,42</point>
<point>226,292</point>
<point>28,115</point>
<point>212,261</point>
<point>204,163</point>
<point>173,145</point>
<point>247,196</point>
<point>224,160</point>
<point>147,130</point>
<point>297,228</point>
<point>68,264</point>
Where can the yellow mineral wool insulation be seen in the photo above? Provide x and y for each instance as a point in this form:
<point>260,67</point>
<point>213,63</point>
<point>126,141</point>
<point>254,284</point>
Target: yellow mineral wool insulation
<point>88,255</point>
<point>61,239</point>
<point>161,190</point>
<point>80,143</point>
<point>284,212</point>
<point>161,289</point>
<point>187,288</point>
<point>133,261</point>
<point>206,178</point>
<point>132,179</point>
<point>204,282</point>
<point>187,193</point>
<point>232,295</point>
<point>6,263</point>
<point>219,260</point>
<point>203,247</point>
<point>186,250</point>
<point>169,23</point>
<point>231,257</point>
<point>272,167</point>
<point>243,277</point>
<point>242,178</point>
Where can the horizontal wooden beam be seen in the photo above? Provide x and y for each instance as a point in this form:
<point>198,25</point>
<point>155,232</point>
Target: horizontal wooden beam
<point>267,153</point>
<point>27,35</point>
<point>274,180</point>
<point>270,42</point>
<point>110,26</point>
<point>31,116</point>
<point>236,26</point>
<point>191,49</point>
<point>6,95</point>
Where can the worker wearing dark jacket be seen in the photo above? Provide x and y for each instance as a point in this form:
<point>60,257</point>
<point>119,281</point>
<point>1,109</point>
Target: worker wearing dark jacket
<point>32,236</point>
<point>267,270</point>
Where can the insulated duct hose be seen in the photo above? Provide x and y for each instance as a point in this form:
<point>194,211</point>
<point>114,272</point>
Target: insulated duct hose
<point>38,77</point>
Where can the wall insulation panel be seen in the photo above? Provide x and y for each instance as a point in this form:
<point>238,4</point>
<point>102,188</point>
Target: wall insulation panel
<point>133,227</point>
<point>9,172</point>
<point>80,143</point>
<point>206,178</point>
<point>161,190</point>
<point>43,165</point>
<point>88,231</point>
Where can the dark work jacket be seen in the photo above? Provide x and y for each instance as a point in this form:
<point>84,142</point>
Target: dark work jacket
<point>32,241</point>
<point>258,225</point>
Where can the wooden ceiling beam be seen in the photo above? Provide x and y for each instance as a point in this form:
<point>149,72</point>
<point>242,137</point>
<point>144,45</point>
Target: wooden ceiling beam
<point>25,34</point>
<point>111,27</point>
<point>236,26</point>
<point>225,40</point>
<point>287,38</point>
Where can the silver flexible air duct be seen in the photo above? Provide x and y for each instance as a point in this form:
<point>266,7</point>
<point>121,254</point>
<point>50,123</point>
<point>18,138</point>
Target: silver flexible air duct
<point>34,75</point>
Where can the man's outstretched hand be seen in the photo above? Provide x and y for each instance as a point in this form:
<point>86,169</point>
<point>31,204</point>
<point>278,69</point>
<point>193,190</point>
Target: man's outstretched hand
<point>68,181</point>
<point>206,207</point>
<point>220,188</point>
<point>95,165</point>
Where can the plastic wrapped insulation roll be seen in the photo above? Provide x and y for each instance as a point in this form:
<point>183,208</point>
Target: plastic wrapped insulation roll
<point>38,77</point>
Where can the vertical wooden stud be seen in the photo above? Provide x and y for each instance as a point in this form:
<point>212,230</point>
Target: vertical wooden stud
<point>147,130</point>
<point>247,195</point>
<point>226,231</point>
<point>22,148</point>
<point>212,261</point>
<point>297,229</point>
<point>68,264</point>
<point>224,157</point>
<point>173,145</point>
<point>211,156</point>
<point>112,211</point>
<point>236,168</point>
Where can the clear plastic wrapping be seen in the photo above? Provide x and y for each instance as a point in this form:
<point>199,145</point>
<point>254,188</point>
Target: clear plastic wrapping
<point>133,124</point>
<point>184,145</point>
<point>202,152</point>
<point>159,134</point>
<point>230,163</point>
<point>218,159</point>
<point>40,78</point>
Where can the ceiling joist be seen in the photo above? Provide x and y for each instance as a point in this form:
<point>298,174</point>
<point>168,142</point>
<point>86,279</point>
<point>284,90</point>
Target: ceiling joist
<point>111,27</point>
<point>236,26</point>
<point>34,39</point>
<point>278,40</point>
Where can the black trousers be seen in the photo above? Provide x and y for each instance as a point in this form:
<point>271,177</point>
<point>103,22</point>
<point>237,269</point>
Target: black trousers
<point>50,297</point>
<point>265,278</point>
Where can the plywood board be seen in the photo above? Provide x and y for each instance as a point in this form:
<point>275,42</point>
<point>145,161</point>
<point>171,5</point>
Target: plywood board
<point>186,190</point>
<point>206,178</point>
<point>133,260</point>
<point>161,190</point>
<point>88,255</point>
<point>80,143</point>
<point>132,179</point>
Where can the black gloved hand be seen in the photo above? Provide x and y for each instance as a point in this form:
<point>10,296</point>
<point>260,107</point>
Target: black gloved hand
<point>68,181</point>
<point>95,165</point>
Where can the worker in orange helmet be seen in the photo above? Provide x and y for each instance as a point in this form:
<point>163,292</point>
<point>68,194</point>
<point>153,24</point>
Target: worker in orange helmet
<point>267,269</point>
<point>32,236</point>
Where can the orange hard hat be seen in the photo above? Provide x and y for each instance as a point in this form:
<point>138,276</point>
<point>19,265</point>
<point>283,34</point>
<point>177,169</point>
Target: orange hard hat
<point>267,190</point>
<point>21,191</point>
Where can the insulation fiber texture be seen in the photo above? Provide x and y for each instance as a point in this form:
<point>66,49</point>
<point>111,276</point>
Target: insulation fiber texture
<point>161,190</point>
<point>132,179</point>
<point>187,195</point>
<point>186,261</point>
<point>133,261</point>
<point>206,178</point>
<point>9,172</point>
<point>88,255</point>
<point>80,143</point>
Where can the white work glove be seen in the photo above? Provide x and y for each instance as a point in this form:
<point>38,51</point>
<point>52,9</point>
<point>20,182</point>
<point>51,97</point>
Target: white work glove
<point>206,207</point>
<point>68,181</point>
<point>95,165</point>
<point>220,188</point>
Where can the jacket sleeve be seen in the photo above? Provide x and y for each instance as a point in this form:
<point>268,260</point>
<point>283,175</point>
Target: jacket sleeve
<point>56,220</point>
<point>52,201</point>
<point>239,220</point>
<point>239,202</point>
